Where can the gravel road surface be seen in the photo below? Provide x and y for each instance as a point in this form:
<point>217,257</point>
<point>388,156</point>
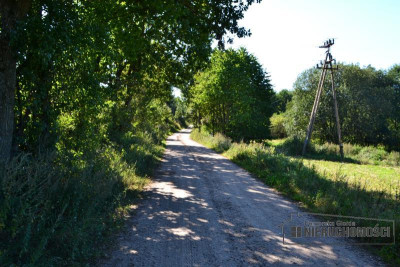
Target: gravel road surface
<point>203,210</point>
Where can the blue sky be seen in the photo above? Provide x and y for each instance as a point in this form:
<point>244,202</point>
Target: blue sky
<point>286,34</point>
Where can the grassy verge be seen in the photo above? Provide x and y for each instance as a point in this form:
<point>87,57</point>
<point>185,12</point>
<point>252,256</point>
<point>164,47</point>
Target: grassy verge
<point>368,155</point>
<point>323,187</point>
<point>370,177</point>
<point>58,209</point>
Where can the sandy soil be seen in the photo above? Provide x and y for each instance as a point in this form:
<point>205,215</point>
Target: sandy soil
<point>203,210</point>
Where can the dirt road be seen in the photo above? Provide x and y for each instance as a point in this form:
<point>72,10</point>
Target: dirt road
<point>203,210</point>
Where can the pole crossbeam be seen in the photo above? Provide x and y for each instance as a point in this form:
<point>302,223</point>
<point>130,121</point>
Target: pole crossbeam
<point>329,64</point>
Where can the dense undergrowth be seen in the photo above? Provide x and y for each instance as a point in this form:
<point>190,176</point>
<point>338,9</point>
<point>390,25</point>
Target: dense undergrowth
<point>322,193</point>
<point>58,208</point>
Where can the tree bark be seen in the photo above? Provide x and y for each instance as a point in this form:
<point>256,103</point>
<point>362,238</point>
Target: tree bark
<point>10,12</point>
<point>7,87</point>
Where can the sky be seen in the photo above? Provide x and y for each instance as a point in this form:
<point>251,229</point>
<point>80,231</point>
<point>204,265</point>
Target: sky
<point>286,34</point>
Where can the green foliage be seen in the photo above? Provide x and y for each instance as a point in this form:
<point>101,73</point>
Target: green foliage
<point>363,155</point>
<point>74,198</point>
<point>366,107</point>
<point>79,58</point>
<point>281,99</point>
<point>218,142</point>
<point>180,110</point>
<point>394,120</point>
<point>93,91</point>
<point>277,127</point>
<point>293,146</point>
<point>233,96</point>
<point>58,211</point>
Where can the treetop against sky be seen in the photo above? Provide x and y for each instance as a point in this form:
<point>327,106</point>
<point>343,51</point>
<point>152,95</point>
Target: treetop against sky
<point>286,34</point>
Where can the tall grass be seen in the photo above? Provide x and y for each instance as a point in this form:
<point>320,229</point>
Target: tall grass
<point>57,209</point>
<point>333,194</point>
<point>218,142</point>
<point>293,146</point>
<point>376,155</point>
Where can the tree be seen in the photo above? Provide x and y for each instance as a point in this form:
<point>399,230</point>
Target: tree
<point>365,104</point>
<point>92,83</point>
<point>180,110</point>
<point>281,99</point>
<point>394,120</point>
<point>233,95</point>
<point>11,13</point>
<point>70,58</point>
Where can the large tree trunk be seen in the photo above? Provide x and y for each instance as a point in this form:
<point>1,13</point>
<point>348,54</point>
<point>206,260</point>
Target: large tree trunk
<point>7,92</point>
<point>7,86</point>
<point>10,12</point>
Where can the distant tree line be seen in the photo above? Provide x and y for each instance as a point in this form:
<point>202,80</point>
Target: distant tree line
<point>233,96</point>
<point>368,100</point>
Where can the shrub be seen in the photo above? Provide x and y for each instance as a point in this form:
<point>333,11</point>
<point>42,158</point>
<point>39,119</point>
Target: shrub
<point>371,153</point>
<point>221,142</point>
<point>394,158</point>
<point>57,209</point>
<point>277,127</point>
<point>327,148</point>
<point>294,146</point>
<point>351,150</point>
<point>218,142</point>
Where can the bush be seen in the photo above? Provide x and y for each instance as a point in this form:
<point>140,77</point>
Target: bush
<point>219,142</point>
<point>293,146</point>
<point>327,148</point>
<point>394,158</point>
<point>366,155</point>
<point>57,209</point>
<point>351,150</point>
<point>370,153</point>
<point>277,127</point>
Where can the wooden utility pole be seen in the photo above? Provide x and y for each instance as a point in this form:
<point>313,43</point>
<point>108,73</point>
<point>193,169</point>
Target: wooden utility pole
<point>327,64</point>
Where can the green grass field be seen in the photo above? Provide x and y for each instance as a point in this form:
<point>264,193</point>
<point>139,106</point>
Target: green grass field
<point>371,177</point>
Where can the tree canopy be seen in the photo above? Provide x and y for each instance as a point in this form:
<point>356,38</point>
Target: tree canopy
<point>77,59</point>
<point>281,99</point>
<point>368,106</point>
<point>85,103</point>
<point>233,95</point>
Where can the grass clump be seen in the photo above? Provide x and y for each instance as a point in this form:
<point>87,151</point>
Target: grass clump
<point>218,142</point>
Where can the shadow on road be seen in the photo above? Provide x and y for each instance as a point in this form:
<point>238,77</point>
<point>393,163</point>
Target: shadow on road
<point>204,210</point>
